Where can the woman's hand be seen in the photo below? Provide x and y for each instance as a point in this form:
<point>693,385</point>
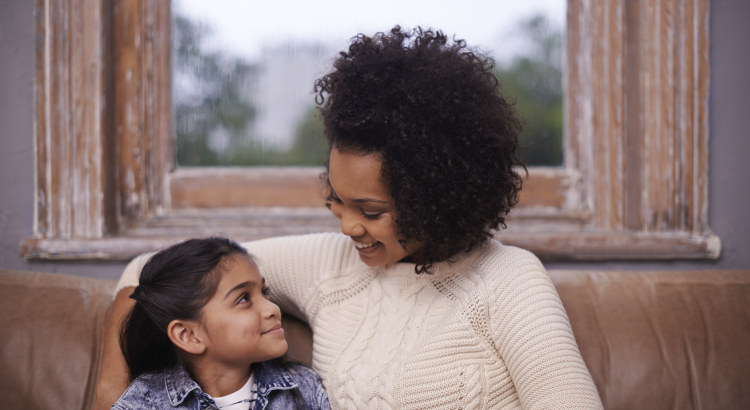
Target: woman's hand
<point>113,377</point>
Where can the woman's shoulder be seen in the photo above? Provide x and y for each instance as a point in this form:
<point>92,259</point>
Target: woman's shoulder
<point>508,265</point>
<point>494,254</point>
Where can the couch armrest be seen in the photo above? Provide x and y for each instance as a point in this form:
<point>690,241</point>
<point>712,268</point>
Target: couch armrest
<point>665,339</point>
<point>51,339</point>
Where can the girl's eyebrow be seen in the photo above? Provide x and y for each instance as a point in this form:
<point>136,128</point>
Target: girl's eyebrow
<point>243,285</point>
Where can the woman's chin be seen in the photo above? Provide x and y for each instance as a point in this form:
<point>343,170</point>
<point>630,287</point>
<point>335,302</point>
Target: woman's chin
<point>373,263</point>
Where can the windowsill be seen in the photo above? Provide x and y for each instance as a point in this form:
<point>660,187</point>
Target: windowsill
<point>549,235</point>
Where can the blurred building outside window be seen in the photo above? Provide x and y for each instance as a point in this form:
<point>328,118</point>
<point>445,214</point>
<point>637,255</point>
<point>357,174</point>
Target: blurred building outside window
<point>242,85</point>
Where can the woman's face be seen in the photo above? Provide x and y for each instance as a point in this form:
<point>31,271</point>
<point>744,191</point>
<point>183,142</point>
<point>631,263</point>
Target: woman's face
<point>365,208</point>
<point>242,325</point>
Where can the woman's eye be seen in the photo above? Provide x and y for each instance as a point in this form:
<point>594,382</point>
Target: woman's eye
<point>371,216</point>
<point>331,199</point>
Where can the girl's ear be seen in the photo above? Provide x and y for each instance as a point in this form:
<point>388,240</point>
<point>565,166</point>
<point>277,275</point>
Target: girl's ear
<point>187,336</point>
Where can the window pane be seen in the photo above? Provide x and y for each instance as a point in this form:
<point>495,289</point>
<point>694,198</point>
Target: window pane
<point>244,71</point>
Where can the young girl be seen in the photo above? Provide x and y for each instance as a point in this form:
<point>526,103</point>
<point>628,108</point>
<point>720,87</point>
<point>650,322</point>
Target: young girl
<point>203,333</point>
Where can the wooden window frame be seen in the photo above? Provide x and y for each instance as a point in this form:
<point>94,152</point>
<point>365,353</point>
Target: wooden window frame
<point>633,186</point>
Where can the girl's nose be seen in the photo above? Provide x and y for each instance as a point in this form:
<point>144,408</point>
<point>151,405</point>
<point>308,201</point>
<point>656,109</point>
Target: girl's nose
<point>271,309</point>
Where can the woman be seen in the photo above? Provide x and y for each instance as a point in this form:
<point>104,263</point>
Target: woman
<point>415,306</point>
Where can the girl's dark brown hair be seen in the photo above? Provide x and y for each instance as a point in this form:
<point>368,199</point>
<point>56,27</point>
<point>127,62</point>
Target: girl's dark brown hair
<point>175,284</point>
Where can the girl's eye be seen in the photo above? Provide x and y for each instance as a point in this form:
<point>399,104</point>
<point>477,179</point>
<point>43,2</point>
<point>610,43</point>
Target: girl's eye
<point>243,299</point>
<point>266,291</point>
<point>371,216</point>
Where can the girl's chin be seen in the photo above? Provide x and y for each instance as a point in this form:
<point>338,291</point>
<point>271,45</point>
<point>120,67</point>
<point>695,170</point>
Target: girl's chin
<point>277,351</point>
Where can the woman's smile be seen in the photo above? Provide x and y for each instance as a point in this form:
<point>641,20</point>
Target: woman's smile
<point>363,204</point>
<point>367,248</point>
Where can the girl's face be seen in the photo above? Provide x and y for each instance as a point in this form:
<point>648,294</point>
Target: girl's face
<point>242,325</point>
<point>366,210</point>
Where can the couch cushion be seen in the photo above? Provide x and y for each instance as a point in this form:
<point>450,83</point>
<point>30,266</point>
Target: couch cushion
<point>51,339</point>
<point>663,340</point>
<point>652,340</point>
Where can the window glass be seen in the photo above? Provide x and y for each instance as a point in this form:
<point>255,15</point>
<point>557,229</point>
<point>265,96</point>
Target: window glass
<point>244,71</point>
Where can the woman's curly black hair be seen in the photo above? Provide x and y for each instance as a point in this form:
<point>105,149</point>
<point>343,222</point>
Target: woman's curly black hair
<point>447,137</point>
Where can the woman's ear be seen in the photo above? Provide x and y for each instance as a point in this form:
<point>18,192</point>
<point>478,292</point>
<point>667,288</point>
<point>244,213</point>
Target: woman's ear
<point>187,336</point>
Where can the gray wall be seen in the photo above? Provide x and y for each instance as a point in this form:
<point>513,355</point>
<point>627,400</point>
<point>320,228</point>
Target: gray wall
<point>16,145</point>
<point>729,144</point>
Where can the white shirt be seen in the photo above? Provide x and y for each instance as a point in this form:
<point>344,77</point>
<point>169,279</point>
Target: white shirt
<point>242,399</point>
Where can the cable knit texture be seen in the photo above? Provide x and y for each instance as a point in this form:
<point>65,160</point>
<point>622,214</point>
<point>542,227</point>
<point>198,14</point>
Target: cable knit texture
<point>485,331</point>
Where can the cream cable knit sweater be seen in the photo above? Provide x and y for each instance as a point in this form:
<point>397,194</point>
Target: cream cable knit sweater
<point>486,331</point>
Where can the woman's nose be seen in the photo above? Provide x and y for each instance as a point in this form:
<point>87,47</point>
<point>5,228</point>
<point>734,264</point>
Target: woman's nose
<point>350,226</point>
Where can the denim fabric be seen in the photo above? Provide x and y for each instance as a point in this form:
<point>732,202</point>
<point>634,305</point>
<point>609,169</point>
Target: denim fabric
<point>280,386</point>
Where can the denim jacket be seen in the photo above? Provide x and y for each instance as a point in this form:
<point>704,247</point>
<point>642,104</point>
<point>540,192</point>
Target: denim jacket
<point>280,386</point>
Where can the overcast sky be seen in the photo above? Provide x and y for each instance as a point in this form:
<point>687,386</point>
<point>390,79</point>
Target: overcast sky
<point>244,27</point>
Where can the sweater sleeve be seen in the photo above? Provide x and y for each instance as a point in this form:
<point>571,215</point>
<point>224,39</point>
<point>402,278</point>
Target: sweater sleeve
<point>132,273</point>
<point>295,266</point>
<point>532,334</point>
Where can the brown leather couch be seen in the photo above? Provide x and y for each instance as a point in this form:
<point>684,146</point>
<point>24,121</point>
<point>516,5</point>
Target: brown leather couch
<point>652,340</point>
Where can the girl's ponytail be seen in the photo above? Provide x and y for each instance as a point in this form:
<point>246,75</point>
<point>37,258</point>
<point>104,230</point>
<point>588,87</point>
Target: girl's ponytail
<point>175,284</point>
<point>146,347</point>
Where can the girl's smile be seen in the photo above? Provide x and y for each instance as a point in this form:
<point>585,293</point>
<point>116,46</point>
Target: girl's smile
<point>275,330</point>
<point>242,325</point>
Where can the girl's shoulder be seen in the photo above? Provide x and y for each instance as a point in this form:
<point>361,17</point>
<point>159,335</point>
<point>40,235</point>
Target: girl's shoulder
<point>300,372</point>
<point>308,393</point>
<point>275,370</point>
<point>159,390</point>
<point>145,392</point>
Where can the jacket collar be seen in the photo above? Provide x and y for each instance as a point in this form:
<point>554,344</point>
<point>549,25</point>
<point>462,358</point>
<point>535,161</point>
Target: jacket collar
<point>179,384</point>
<point>269,375</point>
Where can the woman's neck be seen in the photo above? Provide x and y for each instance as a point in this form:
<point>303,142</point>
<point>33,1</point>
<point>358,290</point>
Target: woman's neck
<point>217,379</point>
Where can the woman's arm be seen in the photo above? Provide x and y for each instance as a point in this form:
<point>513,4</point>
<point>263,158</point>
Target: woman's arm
<point>295,266</point>
<point>113,377</point>
<point>533,335</point>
